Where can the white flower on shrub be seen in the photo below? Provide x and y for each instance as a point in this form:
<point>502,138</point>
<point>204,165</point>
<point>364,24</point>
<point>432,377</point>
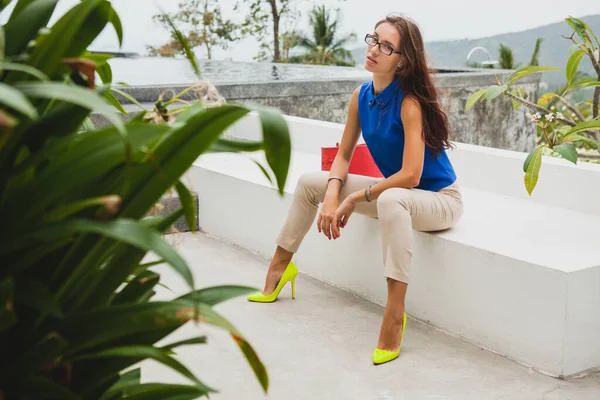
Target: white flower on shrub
<point>559,115</point>
<point>533,117</point>
<point>549,117</point>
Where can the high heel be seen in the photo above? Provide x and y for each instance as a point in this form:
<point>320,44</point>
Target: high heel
<point>383,356</point>
<point>289,275</point>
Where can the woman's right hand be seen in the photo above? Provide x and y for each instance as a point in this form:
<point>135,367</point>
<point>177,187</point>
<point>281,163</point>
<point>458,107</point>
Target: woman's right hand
<point>330,204</point>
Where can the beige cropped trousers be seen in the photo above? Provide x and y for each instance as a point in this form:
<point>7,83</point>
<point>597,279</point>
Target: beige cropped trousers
<point>398,210</point>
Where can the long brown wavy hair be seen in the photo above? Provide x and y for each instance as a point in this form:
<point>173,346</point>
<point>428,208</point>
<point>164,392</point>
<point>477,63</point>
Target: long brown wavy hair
<point>415,79</point>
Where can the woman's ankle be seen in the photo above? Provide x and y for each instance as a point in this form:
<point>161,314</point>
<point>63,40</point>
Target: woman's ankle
<point>278,265</point>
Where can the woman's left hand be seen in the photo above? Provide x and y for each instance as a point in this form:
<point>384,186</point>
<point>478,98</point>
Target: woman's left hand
<point>341,216</point>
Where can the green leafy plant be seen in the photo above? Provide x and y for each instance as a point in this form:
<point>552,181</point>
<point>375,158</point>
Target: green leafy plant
<point>76,308</point>
<point>561,133</point>
<point>506,57</point>
<point>535,56</point>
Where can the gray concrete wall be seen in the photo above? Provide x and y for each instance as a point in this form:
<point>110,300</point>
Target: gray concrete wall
<point>492,124</point>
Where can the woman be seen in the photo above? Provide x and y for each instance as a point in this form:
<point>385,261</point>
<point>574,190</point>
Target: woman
<point>407,134</point>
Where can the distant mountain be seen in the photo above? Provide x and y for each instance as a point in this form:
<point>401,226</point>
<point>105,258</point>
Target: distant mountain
<point>554,50</point>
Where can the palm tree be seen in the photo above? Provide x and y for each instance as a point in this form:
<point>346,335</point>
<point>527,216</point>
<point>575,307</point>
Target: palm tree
<point>325,47</point>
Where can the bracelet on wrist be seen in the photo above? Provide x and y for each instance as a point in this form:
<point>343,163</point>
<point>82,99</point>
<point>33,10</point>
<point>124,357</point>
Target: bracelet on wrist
<point>336,178</point>
<point>368,193</point>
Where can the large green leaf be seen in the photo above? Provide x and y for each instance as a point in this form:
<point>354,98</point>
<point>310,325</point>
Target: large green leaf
<point>128,379</point>
<point>71,35</point>
<point>25,26</point>
<point>146,352</point>
<point>7,314</point>
<point>525,71</point>
<point>516,104</point>
<point>575,138</point>
<point>186,342</point>
<point>189,53</point>
<point>128,97</point>
<point>105,73</point>
<point>584,126</point>
<point>162,224</point>
<point>127,231</point>
<point>568,151</point>
<point>107,324</point>
<point>19,7</point>
<point>264,171</point>
<point>573,65</point>
<point>105,206</point>
<point>533,169</point>
<point>545,98</point>
<point>218,294</point>
<point>115,102</point>
<point>98,58</point>
<point>14,99</point>
<point>91,28</point>
<point>8,66</point>
<point>277,144</point>
<point>591,83</point>
<point>235,145</point>
<point>115,20</point>
<point>495,91</point>
<point>159,391</point>
<point>474,98</point>
<point>102,67</point>
<point>257,366</point>
<point>75,95</point>
<point>188,203</point>
<point>138,288</point>
<point>208,315</point>
<point>578,27</point>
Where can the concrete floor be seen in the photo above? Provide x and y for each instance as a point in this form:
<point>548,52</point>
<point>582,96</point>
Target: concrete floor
<point>319,345</point>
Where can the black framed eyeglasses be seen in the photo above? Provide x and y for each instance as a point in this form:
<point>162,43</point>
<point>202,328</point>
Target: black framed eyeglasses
<point>384,48</point>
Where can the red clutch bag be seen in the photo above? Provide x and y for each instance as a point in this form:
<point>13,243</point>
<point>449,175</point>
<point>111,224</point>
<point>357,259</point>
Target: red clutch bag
<point>362,162</point>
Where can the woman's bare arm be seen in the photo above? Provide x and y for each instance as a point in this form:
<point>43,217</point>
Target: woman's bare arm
<point>350,137</point>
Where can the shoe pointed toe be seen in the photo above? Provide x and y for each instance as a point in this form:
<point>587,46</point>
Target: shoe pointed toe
<point>383,356</point>
<point>258,297</point>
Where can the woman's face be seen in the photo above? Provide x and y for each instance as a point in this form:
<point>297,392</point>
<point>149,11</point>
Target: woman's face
<point>378,62</point>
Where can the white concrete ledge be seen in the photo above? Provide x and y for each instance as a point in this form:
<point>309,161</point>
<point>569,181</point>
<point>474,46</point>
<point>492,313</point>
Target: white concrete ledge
<point>518,275</point>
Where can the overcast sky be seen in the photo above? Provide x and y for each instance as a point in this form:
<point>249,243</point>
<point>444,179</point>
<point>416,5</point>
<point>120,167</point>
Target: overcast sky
<point>438,19</point>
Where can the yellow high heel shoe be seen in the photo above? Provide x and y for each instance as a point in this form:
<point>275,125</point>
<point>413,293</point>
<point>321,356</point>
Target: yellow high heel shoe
<point>289,275</point>
<point>383,356</point>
